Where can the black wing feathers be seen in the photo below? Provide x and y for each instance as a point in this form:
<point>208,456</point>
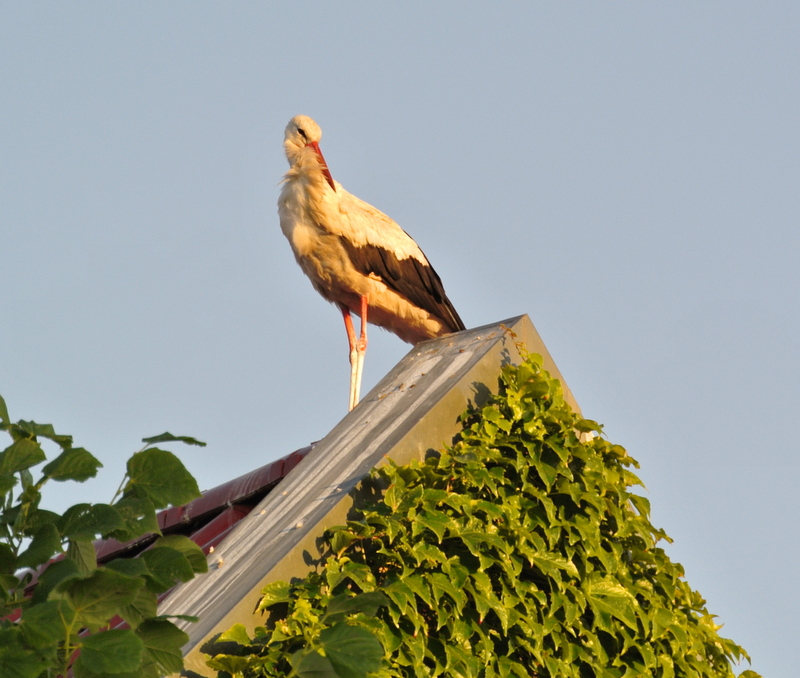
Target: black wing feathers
<point>416,281</point>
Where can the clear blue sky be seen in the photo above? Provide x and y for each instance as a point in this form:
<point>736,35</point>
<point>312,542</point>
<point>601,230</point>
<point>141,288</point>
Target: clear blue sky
<point>628,174</point>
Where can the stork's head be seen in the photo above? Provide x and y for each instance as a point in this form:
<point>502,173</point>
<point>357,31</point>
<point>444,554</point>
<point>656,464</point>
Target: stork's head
<point>301,144</point>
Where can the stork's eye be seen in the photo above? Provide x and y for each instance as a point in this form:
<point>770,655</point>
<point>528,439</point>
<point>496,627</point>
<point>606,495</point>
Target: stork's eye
<point>302,133</point>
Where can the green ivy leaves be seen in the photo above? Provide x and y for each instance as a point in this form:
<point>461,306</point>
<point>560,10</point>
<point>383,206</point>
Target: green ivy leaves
<point>519,551</point>
<point>334,648</point>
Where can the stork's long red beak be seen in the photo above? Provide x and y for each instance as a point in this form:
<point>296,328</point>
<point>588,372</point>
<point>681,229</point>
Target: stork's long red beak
<point>325,171</point>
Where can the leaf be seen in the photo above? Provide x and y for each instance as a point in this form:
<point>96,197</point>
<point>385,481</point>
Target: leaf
<point>662,620</point>
<point>229,664</point>
<point>667,666</point>
<point>139,515</point>
<point>394,495</point>
<point>45,544</point>
<point>144,606</point>
<point>21,454</point>
<point>586,425</point>
<point>30,493</point>
<point>168,438</point>
<point>474,540</point>
<point>550,563</point>
<point>132,567</point>
<point>441,584</point>
<point>7,482</point>
<point>341,539</point>
<point>642,504</point>
<point>74,463</point>
<point>166,566</point>
<point>45,624</point>
<point>367,603</point>
<point>311,664</point>
<point>359,574</point>
<point>193,553</point>
<point>84,555</point>
<point>274,593</point>
<point>236,634</point>
<point>547,472</point>
<point>611,598</point>
<point>160,476</point>
<point>352,650</point>
<point>419,585</point>
<point>86,521</point>
<point>162,645</point>
<point>15,660</point>
<point>26,518</point>
<point>4,418</point>
<point>100,596</point>
<point>8,560</point>
<point>56,573</point>
<point>436,522</point>
<point>109,652</point>
<point>423,551</point>
<point>401,595</point>
<point>43,430</point>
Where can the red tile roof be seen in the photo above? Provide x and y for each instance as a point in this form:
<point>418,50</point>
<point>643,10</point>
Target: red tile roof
<point>208,519</point>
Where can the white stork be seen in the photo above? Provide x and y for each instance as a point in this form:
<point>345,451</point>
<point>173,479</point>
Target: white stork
<point>356,256</point>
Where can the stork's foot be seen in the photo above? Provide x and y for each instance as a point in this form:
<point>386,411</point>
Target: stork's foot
<point>355,380</point>
<point>361,351</point>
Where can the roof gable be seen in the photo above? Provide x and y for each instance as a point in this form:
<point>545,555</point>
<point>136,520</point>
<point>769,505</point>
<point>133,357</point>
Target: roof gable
<point>415,408</point>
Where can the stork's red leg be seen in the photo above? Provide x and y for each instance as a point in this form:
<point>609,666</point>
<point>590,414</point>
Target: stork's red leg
<point>358,348</point>
<point>362,342</point>
<point>348,326</point>
<point>351,339</point>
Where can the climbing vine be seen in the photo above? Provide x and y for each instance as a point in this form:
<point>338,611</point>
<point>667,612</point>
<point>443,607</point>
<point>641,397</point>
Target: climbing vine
<point>519,551</point>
